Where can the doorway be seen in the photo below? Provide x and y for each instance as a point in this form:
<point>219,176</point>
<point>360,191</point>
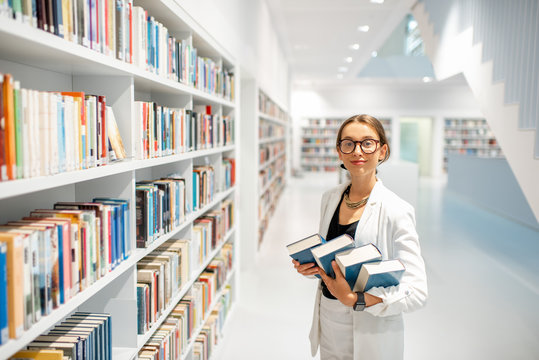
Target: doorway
<point>416,142</point>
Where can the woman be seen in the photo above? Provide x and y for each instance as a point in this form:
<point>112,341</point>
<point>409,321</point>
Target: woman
<point>349,325</point>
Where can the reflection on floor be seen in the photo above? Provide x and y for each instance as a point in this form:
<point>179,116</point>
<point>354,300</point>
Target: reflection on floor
<point>482,270</point>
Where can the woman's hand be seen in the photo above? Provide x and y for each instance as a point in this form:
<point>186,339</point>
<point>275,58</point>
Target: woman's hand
<point>305,269</point>
<point>339,286</point>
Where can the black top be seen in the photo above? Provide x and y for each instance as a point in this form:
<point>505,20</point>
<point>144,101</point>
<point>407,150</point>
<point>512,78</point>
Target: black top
<point>335,230</point>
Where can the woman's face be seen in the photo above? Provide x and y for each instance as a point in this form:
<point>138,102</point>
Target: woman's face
<point>357,162</point>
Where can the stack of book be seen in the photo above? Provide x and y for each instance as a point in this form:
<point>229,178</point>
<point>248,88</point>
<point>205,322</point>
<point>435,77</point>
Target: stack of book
<point>120,30</point>
<point>81,336</point>
<point>161,208</point>
<point>53,254</point>
<point>46,133</point>
<point>362,267</point>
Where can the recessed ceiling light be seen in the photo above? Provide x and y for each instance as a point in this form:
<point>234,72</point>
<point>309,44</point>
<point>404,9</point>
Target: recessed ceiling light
<point>342,69</point>
<point>427,79</point>
<point>363,28</point>
<point>348,59</point>
<point>353,46</point>
<point>377,1</point>
<point>340,76</point>
<point>374,54</point>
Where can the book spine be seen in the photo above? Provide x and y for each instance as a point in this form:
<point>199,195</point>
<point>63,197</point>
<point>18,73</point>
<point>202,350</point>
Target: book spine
<point>4,330</point>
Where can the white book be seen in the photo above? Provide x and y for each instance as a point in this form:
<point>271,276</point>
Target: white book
<point>137,115</point>
<point>44,133</point>
<point>53,139</point>
<point>69,133</point>
<point>101,26</point>
<point>138,23</point>
<point>25,132</point>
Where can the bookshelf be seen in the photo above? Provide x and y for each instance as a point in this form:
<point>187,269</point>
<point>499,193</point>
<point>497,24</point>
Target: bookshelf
<point>45,62</point>
<point>265,133</point>
<point>470,137</point>
<point>318,136</point>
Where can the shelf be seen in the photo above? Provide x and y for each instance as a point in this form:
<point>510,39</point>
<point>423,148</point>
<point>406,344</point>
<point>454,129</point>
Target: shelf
<point>21,42</point>
<point>272,119</point>
<point>323,127</point>
<point>272,139</point>
<point>305,136</point>
<point>272,160</point>
<point>207,314</point>
<point>26,186</point>
<point>320,163</point>
<point>271,181</point>
<point>319,145</point>
<point>274,202</point>
<point>47,322</point>
<point>143,339</point>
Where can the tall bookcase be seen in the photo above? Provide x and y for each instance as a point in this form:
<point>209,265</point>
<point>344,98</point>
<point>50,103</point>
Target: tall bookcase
<point>318,138</point>
<point>471,137</point>
<point>265,132</point>
<point>45,62</point>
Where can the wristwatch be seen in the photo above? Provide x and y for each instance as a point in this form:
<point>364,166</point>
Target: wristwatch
<point>360,302</point>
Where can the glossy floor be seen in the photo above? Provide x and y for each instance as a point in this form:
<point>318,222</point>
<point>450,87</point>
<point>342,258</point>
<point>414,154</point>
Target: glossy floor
<point>483,274</point>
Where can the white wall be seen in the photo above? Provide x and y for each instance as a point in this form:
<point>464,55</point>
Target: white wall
<point>245,29</point>
<point>388,99</point>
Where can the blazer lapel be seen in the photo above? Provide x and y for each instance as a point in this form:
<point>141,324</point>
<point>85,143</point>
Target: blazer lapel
<point>370,209</point>
<point>331,205</point>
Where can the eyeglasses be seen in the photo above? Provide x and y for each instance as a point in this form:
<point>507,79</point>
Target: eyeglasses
<point>368,146</point>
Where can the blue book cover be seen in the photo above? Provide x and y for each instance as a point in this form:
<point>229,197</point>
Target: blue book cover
<point>61,136</point>
<point>324,254</point>
<point>61,262</point>
<point>350,262</point>
<point>141,316</point>
<point>4,334</point>
<point>123,228</point>
<point>384,273</point>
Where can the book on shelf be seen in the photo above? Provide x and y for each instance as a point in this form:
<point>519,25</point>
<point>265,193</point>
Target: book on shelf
<point>351,261</point>
<point>114,137</point>
<point>324,254</point>
<point>4,330</point>
<point>15,287</point>
<point>379,274</point>
<point>38,355</point>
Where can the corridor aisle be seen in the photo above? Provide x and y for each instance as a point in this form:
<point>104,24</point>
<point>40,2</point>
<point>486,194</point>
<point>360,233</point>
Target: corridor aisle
<point>482,271</point>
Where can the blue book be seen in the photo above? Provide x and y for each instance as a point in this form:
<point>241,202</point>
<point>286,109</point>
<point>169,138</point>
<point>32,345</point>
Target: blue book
<point>384,273</point>
<point>4,334</point>
<point>301,249</point>
<point>124,221</point>
<point>325,253</point>
<point>350,262</point>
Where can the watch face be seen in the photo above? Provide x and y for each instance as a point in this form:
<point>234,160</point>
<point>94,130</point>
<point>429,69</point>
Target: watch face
<point>359,307</point>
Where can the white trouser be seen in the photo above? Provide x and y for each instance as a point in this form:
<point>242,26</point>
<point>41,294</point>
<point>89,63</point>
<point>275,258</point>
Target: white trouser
<point>336,330</point>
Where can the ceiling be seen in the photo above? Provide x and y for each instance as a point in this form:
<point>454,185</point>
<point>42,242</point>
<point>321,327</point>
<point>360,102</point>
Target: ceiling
<point>316,34</point>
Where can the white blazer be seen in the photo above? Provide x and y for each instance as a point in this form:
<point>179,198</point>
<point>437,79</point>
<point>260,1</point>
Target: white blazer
<point>389,223</point>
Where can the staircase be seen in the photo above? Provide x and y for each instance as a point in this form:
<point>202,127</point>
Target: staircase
<point>495,45</point>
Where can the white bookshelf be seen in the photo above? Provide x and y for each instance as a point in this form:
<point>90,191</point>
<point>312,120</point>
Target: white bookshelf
<point>470,137</point>
<point>45,62</point>
<point>265,140</point>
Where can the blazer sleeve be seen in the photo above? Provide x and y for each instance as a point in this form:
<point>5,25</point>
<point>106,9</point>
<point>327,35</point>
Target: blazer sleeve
<point>411,293</point>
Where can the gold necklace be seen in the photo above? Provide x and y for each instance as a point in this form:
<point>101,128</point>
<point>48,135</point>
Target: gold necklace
<point>351,204</point>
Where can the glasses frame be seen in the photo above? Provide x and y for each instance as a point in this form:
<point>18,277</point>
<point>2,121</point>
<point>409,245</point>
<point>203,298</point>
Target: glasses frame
<point>360,142</point>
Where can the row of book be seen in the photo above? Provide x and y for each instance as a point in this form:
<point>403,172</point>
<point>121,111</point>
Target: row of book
<point>162,274</point>
<point>210,333</point>
<point>270,150</point>
<point>228,175</point>
<point>318,141</point>
<point>168,267</point>
<point>51,255</point>
<point>45,133</point>
<point>335,123</point>
<point>82,336</point>
<point>161,206</point>
<point>268,174</point>
<point>120,30</point>
<point>163,131</point>
<point>269,129</point>
<point>362,267</point>
<point>317,150</point>
<point>269,198</point>
<point>317,168</point>
<point>320,131</point>
<point>269,107</point>
<point>204,186</point>
<point>171,340</point>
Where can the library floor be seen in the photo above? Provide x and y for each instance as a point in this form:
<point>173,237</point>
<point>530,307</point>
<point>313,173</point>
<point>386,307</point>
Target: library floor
<point>482,271</point>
